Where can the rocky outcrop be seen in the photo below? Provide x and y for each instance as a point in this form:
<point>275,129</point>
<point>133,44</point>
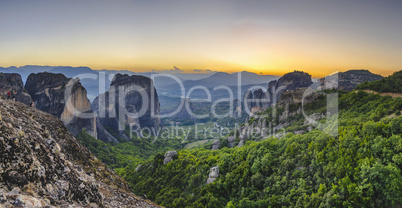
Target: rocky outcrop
<point>347,80</point>
<point>213,175</point>
<point>10,82</point>
<point>237,108</point>
<point>248,100</point>
<point>260,127</point>
<point>289,81</point>
<point>231,141</point>
<point>256,99</point>
<point>184,113</point>
<point>298,96</point>
<point>169,157</point>
<point>259,100</point>
<point>215,144</point>
<point>43,165</point>
<point>64,98</point>
<point>130,101</point>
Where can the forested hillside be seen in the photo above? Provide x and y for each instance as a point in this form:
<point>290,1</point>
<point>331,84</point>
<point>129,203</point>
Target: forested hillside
<point>392,83</point>
<point>359,168</point>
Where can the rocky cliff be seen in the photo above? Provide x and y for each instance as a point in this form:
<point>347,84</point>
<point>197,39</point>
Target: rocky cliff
<point>10,82</point>
<point>43,165</point>
<point>289,81</point>
<point>64,98</point>
<point>137,99</point>
<point>348,80</point>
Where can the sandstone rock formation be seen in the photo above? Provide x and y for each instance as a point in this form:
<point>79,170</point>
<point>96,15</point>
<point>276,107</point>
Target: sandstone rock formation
<point>215,144</point>
<point>169,157</point>
<point>259,100</point>
<point>299,95</point>
<point>231,141</point>
<point>213,175</point>
<point>64,98</point>
<point>43,165</point>
<point>237,108</point>
<point>10,82</point>
<point>256,99</point>
<point>131,100</point>
<point>289,81</point>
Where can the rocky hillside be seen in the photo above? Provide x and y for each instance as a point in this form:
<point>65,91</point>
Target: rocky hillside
<point>10,82</point>
<point>289,81</point>
<point>108,107</point>
<point>43,165</point>
<point>348,80</point>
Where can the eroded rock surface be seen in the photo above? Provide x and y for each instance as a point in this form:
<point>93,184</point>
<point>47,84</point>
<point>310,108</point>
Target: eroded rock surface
<point>130,101</point>
<point>215,144</point>
<point>169,157</point>
<point>10,82</point>
<point>43,165</point>
<point>64,98</point>
<point>213,175</point>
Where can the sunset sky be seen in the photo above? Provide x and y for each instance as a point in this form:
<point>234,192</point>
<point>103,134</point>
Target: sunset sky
<point>270,37</point>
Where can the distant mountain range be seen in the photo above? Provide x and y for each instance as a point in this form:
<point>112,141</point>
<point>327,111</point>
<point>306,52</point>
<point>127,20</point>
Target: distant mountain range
<point>234,79</point>
<point>95,84</point>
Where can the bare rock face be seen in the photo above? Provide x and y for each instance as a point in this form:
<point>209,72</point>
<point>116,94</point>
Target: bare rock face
<point>231,141</point>
<point>169,157</point>
<point>213,175</point>
<point>10,82</point>
<point>43,165</point>
<point>289,81</point>
<point>131,100</point>
<point>64,98</point>
<point>237,108</point>
<point>298,96</point>
<point>248,100</point>
<point>215,144</point>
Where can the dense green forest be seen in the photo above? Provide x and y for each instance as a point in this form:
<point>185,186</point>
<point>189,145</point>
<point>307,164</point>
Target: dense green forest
<point>361,167</point>
<point>120,155</point>
<point>392,83</point>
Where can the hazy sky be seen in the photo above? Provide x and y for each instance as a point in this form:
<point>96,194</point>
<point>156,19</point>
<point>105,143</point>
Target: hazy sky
<point>272,37</point>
